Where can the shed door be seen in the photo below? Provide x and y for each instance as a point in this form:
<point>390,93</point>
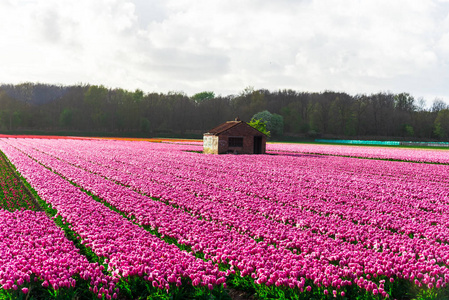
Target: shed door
<point>257,145</point>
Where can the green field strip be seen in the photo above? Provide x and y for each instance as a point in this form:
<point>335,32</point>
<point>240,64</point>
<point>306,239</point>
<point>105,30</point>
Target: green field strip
<point>8,170</point>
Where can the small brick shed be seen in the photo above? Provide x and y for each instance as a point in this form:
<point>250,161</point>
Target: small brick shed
<point>234,137</point>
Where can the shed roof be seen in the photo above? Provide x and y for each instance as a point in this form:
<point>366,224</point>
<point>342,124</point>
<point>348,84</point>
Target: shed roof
<point>223,127</point>
<point>228,125</point>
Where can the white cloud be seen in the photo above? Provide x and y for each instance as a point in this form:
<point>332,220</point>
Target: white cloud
<point>312,45</point>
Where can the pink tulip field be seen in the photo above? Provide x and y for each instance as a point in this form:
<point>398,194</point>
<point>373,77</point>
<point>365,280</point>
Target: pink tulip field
<point>401,154</point>
<point>134,219</point>
<point>33,248</point>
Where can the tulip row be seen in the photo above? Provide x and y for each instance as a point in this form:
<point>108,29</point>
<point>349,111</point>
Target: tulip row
<point>402,154</point>
<point>129,250</point>
<point>35,254</point>
<point>12,193</point>
<point>371,199</point>
<point>217,242</point>
<point>380,240</point>
<point>428,224</point>
<point>30,261</point>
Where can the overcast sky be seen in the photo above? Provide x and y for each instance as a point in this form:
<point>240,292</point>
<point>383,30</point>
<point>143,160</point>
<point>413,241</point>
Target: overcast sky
<point>354,46</point>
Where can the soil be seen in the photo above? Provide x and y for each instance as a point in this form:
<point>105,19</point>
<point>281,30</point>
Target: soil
<point>239,295</point>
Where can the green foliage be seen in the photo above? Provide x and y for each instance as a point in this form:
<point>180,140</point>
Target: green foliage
<point>408,130</point>
<point>133,287</point>
<point>259,125</point>
<point>145,125</point>
<point>404,102</point>
<point>137,95</point>
<point>16,119</point>
<point>66,118</point>
<point>439,131</point>
<point>274,122</point>
<point>293,122</point>
<point>438,105</point>
<point>277,125</point>
<point>95,99</point>
<point>118,112</point>
<point>95,95</point>
<point>442,124</point>
<point>247,91</point>
<point>258,101</point>
<point>264,116</point>
<point>203,96</point>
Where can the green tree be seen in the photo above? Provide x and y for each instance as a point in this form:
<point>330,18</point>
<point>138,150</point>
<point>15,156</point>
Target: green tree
<point>66,118</point>
<point>442,124</point>
<point>321,116</point>
<point>203,96</point>
<point>247,91</point>
<point>404,102</point>
<point>277,124</point>
<point>96,98</point>
<point>341,109</point>
<point>17,119</point>
<point>408,130</point>
<point>145,125</point>
<point>359,112</point>
<point>292,118</point>
<point>258,101</point>
<point>438,105</point>
<point>138,96</point>
<point>264,116</point>
<point>274,122</point>
<point>259,125</point>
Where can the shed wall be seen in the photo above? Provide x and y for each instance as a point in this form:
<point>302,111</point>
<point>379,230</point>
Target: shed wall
<point>210,144</point>
<point>219,144</point>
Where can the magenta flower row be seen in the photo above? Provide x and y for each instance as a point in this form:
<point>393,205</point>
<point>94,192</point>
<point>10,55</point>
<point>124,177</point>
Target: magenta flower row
<point>32,245</point>
<point>129,249</point>
<point>402,219</point>
<point>217,242</point>
<point>403,154</point>
<point>124,166</point>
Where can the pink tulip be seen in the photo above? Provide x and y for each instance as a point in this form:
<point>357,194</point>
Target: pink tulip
<point>341,217</point>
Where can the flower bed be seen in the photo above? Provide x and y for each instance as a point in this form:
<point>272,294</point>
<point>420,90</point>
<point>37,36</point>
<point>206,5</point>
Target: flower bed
<point>301,225</point>
<point>401,154</point>
<point>128,250</point>
<point>35,255</point>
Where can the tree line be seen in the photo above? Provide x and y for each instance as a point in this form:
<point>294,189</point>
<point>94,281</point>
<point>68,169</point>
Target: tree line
<point>92,108</point>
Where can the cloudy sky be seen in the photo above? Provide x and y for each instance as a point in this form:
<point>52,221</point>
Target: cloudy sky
<point>355,46</point>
